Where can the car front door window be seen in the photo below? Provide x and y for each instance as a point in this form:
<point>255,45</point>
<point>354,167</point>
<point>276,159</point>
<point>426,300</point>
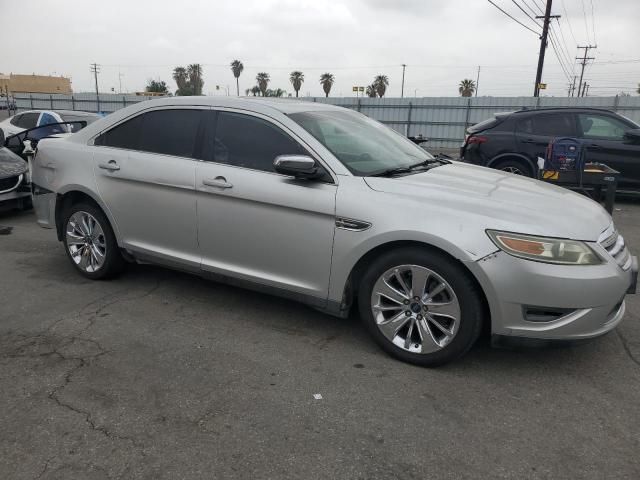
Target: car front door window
<point>601,127</point>
<point>250,142</point>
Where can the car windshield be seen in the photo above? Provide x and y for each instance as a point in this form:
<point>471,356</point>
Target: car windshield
<point>364,146</point>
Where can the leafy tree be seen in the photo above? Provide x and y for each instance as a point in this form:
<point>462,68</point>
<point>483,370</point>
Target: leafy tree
<point>296,78</point>
<point>181,79</point>
<point>255,90</point>
<point>380,83</point>
<point>327,80</point>
<point>263,80</point>
<point>157,86</point>
<point>195,78</point>
<point>467,87</point>
<point>237,67</point>
<point>371,91</point>
<point>278,92</point>
<point>189,80</point>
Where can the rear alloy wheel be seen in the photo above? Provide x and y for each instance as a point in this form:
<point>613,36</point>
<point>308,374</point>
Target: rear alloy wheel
<point>514,166</point>
<point>90,243</point>
<point>420,306</point>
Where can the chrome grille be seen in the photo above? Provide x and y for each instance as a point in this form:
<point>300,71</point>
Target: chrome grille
<point>614,244</point>
<point>11,183</point>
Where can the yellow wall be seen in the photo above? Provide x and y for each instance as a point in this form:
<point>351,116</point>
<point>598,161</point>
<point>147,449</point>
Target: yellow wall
<point>35,84</point>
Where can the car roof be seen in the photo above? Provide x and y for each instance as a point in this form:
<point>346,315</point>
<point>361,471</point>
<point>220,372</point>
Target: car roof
<point>284,105</point>
<point>562,109</point>
<point>79,113</point>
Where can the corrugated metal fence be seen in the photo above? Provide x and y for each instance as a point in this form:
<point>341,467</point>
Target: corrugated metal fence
<point>442,120</point>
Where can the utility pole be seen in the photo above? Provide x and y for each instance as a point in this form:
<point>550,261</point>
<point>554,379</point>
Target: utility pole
<point>402,91</point>
<point>583,62</point>
<point>543,45</point>
<point>573,86</point>
<point>478,80</point>
<point>95,69</point>
<point>120,75</point>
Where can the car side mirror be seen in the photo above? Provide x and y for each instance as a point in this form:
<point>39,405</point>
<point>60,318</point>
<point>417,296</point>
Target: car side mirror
<point>298,166</point>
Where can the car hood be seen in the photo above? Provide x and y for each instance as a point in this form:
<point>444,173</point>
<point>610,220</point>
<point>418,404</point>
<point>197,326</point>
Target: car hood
<point>501,201</point>
<point>11,165</point>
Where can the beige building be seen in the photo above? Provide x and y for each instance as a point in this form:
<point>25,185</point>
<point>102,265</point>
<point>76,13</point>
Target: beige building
<point>35,84</point>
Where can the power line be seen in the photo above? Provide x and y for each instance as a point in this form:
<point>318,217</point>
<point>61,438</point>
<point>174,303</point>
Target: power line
<point>593,23</point>
<point>586,26</point>
<point>566,16</point>
<point>525,12</point>
<point>564,44</point>
<point>513,18</point>
<point>564,50</point>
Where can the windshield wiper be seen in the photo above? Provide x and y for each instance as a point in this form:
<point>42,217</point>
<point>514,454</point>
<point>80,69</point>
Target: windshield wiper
<point>389,172</point>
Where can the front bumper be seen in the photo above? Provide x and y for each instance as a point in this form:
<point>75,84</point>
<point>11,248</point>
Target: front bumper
<point>587,301</point>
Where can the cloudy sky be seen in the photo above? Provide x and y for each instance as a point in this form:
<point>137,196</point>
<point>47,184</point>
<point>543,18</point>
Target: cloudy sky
<point>440,41</point>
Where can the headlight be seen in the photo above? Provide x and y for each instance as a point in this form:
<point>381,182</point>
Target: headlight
<point>543,249</point>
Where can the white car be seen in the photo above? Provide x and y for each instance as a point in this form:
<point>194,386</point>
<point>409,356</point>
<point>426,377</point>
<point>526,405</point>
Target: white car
<point>35,118</point>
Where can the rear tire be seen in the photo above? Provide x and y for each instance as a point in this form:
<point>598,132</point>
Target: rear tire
<point>90,243</point>
<point>517,167</point>
<point>420,306</point>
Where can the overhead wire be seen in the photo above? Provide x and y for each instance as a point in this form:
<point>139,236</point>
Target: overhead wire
<point>513,18</point>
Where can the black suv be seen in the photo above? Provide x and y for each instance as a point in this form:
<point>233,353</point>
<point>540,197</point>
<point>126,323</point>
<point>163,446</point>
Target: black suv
<point>514,141</point>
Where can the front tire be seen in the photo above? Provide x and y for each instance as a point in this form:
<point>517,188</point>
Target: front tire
<point>420,306</point>
<point>90,243</point>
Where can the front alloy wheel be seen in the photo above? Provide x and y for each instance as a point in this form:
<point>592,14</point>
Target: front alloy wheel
<point>415,309</point>
<point>421,305</point>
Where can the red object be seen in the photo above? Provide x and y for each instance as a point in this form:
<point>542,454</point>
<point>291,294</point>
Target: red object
<point>476,139</point>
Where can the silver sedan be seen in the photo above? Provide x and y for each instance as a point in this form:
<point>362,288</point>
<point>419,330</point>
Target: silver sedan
<point>326,206</point>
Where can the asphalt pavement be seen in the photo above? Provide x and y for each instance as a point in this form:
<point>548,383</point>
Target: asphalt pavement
<point>163,375</point>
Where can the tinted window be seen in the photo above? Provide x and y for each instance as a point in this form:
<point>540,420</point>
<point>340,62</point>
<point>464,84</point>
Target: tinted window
<point>601,126</point>
<point>79,118</point>
<point>15,120</point>
<point>47,118</point>
<point>170,132</point>
<point>553,125</point>
<point>250,142</point>
<point>28,120</point>
<point>125,135</point>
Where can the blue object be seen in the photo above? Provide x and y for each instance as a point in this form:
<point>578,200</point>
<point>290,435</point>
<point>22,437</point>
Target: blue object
<point>564,154</point>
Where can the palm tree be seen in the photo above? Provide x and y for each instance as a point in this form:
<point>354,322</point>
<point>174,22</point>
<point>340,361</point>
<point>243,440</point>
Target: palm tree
<point>263,80</point>
<point>180,77</point>
<point>380,82</point>
<point>467,87</point>
<point>371,91</point>
<point>195,78</point>
<point>296,78</point>
<point>255,90</point>
<point>327,80</point>
<point>237,67</point>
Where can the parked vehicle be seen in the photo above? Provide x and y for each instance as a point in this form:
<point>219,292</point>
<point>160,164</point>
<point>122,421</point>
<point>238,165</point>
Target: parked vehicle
<point>15,174</point>
<point>324,205</point>
<point>513,141</point>
<point>35,118</point>
<point>14,188</point>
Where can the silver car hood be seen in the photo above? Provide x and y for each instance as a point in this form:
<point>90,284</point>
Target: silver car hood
<point>501,201</point>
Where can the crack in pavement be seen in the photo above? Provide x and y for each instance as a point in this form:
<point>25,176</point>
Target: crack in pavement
<point>55,346</point>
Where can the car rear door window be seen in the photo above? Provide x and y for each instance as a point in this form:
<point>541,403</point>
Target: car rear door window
<point>15,120</point>
<point>28,120</point>
<point>601,126</point>
<point>171,132</point>
<point>553,125</point>
<point>251,142</point>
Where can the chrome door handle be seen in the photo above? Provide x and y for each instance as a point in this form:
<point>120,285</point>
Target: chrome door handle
<point>219,182</point>
<point>112,166</point>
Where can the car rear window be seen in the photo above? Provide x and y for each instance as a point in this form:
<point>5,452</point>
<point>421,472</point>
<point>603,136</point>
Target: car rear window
<point>484,125</point>
<point>79,118</point>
